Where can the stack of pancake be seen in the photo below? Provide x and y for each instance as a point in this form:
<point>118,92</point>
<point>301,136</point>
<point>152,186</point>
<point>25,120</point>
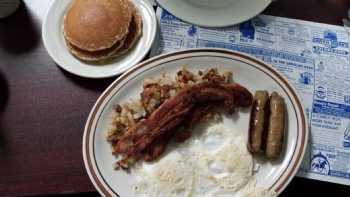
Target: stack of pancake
<point>96,30</point>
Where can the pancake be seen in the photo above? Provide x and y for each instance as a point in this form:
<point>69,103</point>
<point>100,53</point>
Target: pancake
<point>134,34</point>
<point>95,25</point>
<point>118,49</point>
<point>95,55</point>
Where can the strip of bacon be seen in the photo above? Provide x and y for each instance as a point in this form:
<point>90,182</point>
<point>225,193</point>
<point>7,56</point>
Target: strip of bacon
<point>163,123</point>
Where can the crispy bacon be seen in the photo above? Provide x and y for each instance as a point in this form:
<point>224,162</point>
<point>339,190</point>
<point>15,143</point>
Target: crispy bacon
<point>148,138</point>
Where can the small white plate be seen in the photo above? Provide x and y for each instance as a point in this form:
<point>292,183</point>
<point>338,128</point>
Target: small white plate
<point>55,45</point>
<point>214,13</point>
<point>248,71</point>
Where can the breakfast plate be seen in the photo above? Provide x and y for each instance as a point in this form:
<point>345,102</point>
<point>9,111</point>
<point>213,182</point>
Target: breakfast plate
<point>54,42</point>
<point>217,13</point>
<point>247,71</point>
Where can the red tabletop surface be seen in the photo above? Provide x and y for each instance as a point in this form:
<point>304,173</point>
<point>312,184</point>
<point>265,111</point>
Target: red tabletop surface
<point>43,108</point>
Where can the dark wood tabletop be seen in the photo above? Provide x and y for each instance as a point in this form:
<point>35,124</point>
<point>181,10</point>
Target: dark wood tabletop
<point>43,108</point>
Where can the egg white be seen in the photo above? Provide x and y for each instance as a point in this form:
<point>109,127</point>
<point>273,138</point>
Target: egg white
<point>213,162</point>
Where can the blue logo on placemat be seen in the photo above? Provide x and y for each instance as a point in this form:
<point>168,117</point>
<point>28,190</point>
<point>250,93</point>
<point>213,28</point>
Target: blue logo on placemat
<point>247,30</point>
<point>321,92</point>
<point>346,142</point>
<point>320,164</point>
<point>192,31</point>
<point>305,78</point>
<point>330,40</point>
<point>329,44</point>
<point>167,16</point>
<point>347,132</point>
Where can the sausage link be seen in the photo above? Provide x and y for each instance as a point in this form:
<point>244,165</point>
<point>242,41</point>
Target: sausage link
<point>275,132</point>
<point>258,119</point>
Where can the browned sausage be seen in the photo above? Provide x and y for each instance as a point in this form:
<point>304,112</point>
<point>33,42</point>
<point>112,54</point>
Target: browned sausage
<point>275,132</point>
<point>258,119</point>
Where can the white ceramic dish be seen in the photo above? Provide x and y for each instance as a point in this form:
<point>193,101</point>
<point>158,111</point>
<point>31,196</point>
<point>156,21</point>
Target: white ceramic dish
<point>55,45</point>
<point>218,13</point>
<point>248,71</point>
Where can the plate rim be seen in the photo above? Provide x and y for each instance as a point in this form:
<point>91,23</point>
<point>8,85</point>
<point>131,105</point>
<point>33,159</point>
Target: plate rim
<point>46,40</point>
<point>181,17</point>
<point>286,175</point>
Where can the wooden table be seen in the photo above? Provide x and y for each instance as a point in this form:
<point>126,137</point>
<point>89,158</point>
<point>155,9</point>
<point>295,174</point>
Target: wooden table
<point>43,108</point>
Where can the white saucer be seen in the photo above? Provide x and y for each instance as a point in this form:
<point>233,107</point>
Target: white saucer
<point>54,42</point>
<point>214,13</point>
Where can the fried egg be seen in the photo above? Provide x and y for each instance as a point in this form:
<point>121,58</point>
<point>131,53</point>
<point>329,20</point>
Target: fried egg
<point>213,162</point>
<point>170,176</point>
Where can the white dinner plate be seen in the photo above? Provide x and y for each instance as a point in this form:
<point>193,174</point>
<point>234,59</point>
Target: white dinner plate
<point>248,71</point>
<point>214,13</point>
<point>55,45</point>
